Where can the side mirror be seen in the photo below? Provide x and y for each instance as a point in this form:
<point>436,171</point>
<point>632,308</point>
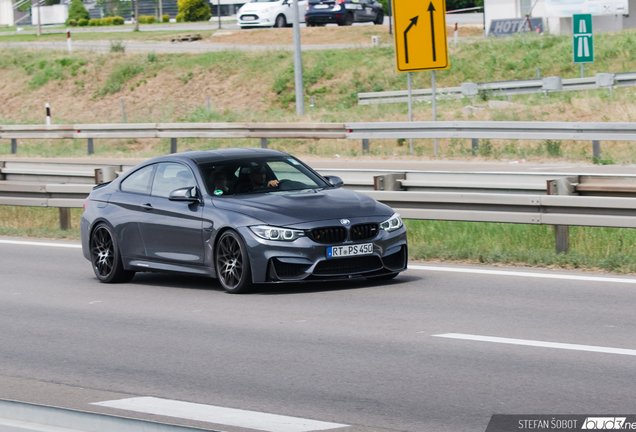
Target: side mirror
<point>189,194</point>
<point>335,180</point>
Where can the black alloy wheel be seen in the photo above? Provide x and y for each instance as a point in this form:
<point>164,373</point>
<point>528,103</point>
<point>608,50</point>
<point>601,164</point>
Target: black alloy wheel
<point>280,21</point>
<point>379,19</point>
<point>348,19</point>
<point>233,264</point>
<point>105,256</point>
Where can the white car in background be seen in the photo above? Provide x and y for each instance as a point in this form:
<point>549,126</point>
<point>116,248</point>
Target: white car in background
<point>269,13</point>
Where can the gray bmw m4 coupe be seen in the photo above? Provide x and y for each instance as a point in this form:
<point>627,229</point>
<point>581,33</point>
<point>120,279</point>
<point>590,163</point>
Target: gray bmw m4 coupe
<point>244,216</point>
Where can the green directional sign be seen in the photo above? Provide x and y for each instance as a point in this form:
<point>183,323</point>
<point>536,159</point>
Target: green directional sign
<point>582,38</point>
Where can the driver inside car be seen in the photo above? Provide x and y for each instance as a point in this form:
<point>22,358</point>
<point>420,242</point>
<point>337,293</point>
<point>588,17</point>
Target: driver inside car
<point>258,177</point>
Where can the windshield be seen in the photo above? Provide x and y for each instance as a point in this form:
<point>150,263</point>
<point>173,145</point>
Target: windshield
<point>259,175</point>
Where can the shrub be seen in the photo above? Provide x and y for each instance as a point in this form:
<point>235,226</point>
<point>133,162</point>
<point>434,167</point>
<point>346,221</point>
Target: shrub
<point>165,18</point>
<point>117,46</point>
<point>150,19</point>
<point>77,11</point>
<point>142,19</point>
<point>194,10</point>
<point>118,20</point>
<point>108,21</point>
<point>83,22</point>
<point>93,22</point>
<point>71,22</point>
<point>179,18</point>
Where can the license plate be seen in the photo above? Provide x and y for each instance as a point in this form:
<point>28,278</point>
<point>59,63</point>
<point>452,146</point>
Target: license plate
<point>321,7</point>
<point>352,250</point>
<point>249,18</point>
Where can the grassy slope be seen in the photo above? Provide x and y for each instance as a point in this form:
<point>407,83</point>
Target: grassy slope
<point>334,78</point>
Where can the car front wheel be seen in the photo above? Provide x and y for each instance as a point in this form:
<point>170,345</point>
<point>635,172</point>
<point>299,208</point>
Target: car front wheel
<point>233,264</point>
<point>280,21</point>
<point>106,257</point>
<point>379,20</point>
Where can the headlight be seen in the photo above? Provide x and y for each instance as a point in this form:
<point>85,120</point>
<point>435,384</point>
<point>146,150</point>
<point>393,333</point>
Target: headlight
<point>274,233</point>
<point>393,223</point>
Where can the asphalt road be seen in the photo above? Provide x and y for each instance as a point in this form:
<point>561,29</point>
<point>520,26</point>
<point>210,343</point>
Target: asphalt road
<point>359,354</point>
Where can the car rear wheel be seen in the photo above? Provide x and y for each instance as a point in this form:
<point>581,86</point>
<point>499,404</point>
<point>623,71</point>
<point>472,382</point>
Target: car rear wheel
<point>280,21</point>
<point>233,264</point>
<point>348,20</point>
<point>379,20</point>
<point>106,258</point>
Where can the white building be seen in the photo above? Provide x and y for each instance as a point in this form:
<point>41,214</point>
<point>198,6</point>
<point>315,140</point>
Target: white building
<point>557,14</point>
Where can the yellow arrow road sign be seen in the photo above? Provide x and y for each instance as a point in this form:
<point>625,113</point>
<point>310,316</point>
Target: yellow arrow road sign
<point>420,35</point>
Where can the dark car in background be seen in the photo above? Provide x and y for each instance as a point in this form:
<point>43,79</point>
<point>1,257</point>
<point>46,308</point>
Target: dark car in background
<point>244,216</point>
<point>343,12</point>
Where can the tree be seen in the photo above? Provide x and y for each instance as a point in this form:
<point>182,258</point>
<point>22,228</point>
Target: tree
<point>194,10</point>
<point>77,11</point>
<point>51,2</point>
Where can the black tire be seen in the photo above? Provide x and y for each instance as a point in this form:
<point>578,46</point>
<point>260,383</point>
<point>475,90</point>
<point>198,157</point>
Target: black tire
<point>348,19</point>
<point>379,19</point>
<point>280,21</point>
<point>384,277</point>
<point>233,264</point>
<point>106,258</point>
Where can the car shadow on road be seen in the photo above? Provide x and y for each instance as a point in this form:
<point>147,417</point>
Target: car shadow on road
<point>205,283</point>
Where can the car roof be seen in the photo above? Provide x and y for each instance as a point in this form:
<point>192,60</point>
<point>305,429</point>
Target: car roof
<point>207,156</point>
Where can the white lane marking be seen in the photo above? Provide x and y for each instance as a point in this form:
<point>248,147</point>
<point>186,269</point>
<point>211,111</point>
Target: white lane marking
<point>522,274</point>
<point>527,342</point>
<point>43,244</point>
<point>96,301</point>
<point>219,415</point>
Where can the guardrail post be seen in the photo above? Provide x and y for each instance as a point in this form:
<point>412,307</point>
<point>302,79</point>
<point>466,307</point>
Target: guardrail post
<point>173,145</point>
<point>365,146</point>
<point>563,186</point>
<point>389,182</point>
<point>263,142</point>
<point>91,150</point>
<point>474,145</point>
<point>14,145</point>
<point>65,218</point>
<point>596,151</point>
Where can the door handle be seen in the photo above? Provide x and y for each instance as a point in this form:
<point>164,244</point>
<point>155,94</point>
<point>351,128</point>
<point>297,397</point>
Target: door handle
<point>146,206</point>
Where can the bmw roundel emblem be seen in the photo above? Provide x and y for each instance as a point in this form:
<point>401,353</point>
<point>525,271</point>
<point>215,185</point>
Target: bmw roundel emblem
<point>345,221</point>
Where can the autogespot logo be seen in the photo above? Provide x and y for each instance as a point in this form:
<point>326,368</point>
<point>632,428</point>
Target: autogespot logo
<point>605,423</point>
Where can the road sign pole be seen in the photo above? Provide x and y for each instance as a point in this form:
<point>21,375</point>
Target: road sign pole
<point>408,75</point>
<point>298,63</point>
<point>582,70</point>
<point>434,104</point>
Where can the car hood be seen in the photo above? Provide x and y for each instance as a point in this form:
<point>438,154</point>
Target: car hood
<point>290,208</point>
<point>257,6</point>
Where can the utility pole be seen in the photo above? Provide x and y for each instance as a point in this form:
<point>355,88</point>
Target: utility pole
<point>38,7</point>
<point>298,64</point>
<point>136,15</point>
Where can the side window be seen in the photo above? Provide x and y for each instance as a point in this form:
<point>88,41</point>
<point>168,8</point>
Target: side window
<point>171,176</point>
<point>139,181</point>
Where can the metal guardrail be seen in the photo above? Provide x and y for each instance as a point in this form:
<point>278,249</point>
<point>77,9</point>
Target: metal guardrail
<point>174,130</point>
<point>579,131</point>
<point>499,88</point>
<point>27,417</point>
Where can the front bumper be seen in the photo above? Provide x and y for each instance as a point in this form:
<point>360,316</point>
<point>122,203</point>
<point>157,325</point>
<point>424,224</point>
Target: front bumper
<point>259,19</point>
<point>306,260</point>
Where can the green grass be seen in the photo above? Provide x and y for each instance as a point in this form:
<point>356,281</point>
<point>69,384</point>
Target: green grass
<point>37,222</point>
<point>609,249</point>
